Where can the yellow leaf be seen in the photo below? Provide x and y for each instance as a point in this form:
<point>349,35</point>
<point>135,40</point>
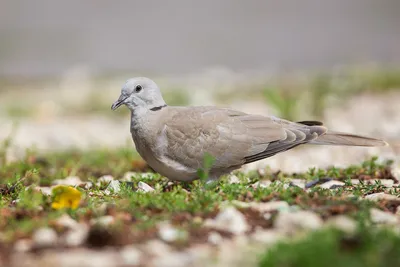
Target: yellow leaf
<point>65,197</point>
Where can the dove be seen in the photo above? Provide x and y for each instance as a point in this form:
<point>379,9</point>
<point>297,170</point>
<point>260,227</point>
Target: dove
<point>173,140</point>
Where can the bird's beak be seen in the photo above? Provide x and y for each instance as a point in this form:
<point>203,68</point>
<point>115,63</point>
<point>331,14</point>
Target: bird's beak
<point>119,102</point>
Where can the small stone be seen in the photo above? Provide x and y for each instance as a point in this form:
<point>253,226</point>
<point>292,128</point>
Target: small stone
<point>262,172</point>
<point>355,181</point>
<point>229,219</point>
<point>44,237</point>
<point>298,182</point>
<point>168,233</point>
<point>23,245</point>
<point>174,259</point>
<point>262,184</point>
<point>270,206</point>
<point>267,237</point>
<point>382,217</point>
<point>343,223</point>
<point>333,184</point>
<point>291,222</point>
<point>104,220</point>
<point>387,182</point>
<point>380,196</point>
<point>157,248</point>
<point>76,236</point>
<point>105,179</point>
<point>88,185</point>
<point>131,256</point>
<point>80,257</point>
<point>66,221</point>
<point>45,190</point>
<point>113,187</point>
<point>317,182</point>
<point>233,179</point>
<point>70,180</point>
<point>143,187</point>
<point>214,238</point>
<point>128,176</point>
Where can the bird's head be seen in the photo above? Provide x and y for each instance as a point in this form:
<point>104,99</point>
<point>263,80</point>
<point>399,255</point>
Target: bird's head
<point>139,92</point>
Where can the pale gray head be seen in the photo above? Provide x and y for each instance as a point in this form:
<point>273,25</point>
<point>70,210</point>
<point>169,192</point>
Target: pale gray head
<point>140,92</point>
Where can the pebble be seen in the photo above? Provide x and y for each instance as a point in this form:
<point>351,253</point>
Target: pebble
<point>104,179</point>
<point>143,187</point>
<point>131,256</point>
<point>174,259</point>
<point>103,220</point>
<point>83,257</point>
<point>88,185</point>
<point>23,245</point>
<point>291,222</point>
<point>298,182</point>
<point>214,238</point>
<point>113,187</point>
<point>66,221</point>
<point>270,206</point>
<point>168,233</point>
<point>229,219</point>
<point>343,223</point>
<point>157,248</point>
<point>380,196</point>
<point>262,184</point>
<point>267,237</point>
<point>44,237</point>
<point>382,217</point>
<point>70,180</point>
<point>233,179</point>
<point>387,182</point>
<point>77,236</point>
<point>45,190</point>
<point>317,182</point>
<point>333,184</point>
<point>128,176</point>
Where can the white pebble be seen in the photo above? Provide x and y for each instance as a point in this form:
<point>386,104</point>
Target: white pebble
<point>143,187</point>
<point>229,219</point>
<point>44,237</point>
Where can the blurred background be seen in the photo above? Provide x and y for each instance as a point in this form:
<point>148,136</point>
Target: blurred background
<point>62,65</point>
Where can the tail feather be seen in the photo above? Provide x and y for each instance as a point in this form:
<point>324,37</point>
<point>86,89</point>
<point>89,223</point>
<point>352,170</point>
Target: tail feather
<point>346,139</point>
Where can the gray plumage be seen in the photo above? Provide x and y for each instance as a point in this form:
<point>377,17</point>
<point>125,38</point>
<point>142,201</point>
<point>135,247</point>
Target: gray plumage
<point>174,140</point>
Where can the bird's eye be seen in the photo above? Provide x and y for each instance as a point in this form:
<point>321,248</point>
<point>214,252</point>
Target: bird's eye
<point>138,88</point>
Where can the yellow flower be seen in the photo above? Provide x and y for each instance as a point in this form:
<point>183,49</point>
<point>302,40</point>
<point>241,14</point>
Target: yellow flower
<point>65,197</point>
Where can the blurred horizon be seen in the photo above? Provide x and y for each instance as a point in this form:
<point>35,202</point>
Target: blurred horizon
<point>47,38</point>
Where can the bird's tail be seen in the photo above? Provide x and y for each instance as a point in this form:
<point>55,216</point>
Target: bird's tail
<point>346,139</point>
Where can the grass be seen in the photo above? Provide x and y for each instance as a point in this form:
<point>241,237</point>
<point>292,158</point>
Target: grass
<point>331,248</point>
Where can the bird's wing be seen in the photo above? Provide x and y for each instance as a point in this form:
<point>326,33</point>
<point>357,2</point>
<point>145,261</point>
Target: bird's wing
<point>231,137</point>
